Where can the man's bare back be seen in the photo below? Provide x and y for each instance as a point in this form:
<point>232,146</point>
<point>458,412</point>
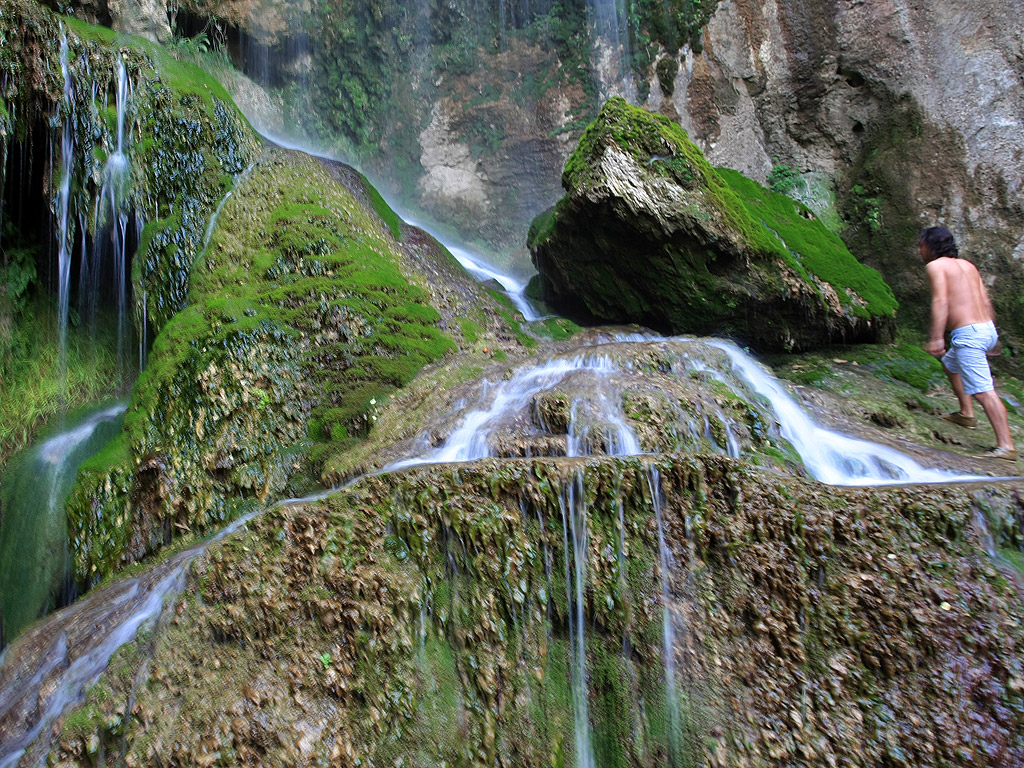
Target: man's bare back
<point>959,298</point>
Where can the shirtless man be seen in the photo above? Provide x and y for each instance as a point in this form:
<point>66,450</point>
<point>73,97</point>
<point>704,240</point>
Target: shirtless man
<point>960,304</point>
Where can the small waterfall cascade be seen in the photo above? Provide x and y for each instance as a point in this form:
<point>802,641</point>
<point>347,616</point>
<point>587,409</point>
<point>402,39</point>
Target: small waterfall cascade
<point>482,272</point>
<point>668,632</point>
<point>612,49</point>
<point>93,223</point>
<point>33,533</point>
<point>597,422</point>
<point>830,457</point>
<point>470,441</point>
<point>574,528</point>
<point>116,176</point>
<point>50,675</point>
<point>63,208</point>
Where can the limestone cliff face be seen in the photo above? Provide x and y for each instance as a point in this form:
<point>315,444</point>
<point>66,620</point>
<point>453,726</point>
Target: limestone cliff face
<point>917,111</point>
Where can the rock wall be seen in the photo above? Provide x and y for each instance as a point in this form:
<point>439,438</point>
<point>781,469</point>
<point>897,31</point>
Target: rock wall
<point>902,114</point>
<point>916,110</point>
<point>425,618</point>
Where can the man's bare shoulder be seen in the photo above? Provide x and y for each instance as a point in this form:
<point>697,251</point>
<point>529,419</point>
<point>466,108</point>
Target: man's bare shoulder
<point>944,265</point>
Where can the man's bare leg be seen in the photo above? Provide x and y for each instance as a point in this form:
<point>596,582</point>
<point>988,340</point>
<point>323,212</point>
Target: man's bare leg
<point>996,412</point>
<point>966,404</point>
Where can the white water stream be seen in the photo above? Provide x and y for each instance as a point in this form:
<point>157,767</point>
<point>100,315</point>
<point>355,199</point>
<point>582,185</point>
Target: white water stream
<point>36,690</point>
<point>64,209</point>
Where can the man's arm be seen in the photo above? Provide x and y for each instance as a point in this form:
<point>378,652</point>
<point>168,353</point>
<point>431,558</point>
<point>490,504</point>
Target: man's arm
<point>936,345</point>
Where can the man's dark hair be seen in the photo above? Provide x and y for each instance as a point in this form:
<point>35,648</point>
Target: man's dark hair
<point>940,242</point>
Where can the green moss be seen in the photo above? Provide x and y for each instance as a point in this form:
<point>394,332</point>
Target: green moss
<point>556,328</point>
<point>541,228</point>
<point>819,250</point>
<point>658,141</point>
<point>470,329</point>
<point>613,710</point>
<point>315,323</point>
<point>511,316</point>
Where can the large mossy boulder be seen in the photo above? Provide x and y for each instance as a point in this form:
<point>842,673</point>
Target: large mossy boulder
<point>649,232</point>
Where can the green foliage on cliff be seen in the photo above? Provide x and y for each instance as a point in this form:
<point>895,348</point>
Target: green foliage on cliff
<point>184,138</point>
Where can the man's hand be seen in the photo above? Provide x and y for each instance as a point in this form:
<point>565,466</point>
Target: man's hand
<point>935,347</point>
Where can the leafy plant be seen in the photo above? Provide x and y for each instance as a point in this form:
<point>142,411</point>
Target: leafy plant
<point>783,179</point>
<point>17,270</point>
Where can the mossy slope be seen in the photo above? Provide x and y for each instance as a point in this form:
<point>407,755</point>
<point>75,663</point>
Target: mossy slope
<point>299,318</point>
<point>649,232</point>
<point>184,140</point>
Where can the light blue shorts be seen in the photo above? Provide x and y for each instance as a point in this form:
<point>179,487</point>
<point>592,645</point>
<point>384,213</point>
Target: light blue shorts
<point>966,356</point>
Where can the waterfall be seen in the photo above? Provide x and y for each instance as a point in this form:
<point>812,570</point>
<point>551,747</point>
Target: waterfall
<point>574,531</point>
<point>612,51</point>
<point>63,205</point>
<point>116,175</point>
<point>829,456</point>
<point>33,532</point>
<point>668,633</point>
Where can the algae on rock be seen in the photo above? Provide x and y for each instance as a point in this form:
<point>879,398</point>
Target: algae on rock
<point>301,314</point>
<point>650,233</point>
<point>422,617</point>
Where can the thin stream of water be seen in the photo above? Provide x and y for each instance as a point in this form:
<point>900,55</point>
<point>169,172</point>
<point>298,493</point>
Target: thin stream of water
<point>668,634</point>
<point>64,209</point>
<point>33,531</point>
<point>574,532</point>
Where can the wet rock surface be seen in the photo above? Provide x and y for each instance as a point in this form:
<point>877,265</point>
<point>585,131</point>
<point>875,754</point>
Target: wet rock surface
<point>420,616</point>
<point>306,310</point>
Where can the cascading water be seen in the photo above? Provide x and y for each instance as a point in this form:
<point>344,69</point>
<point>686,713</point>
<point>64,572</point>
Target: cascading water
<point>48,674</point>
<point>63,206</point>
<point>668,633</point>
<point>116,176</point>
<point>829,456</point>
<point>130,603</point>
<point>33,532</point>
<point>574,530</point>
<point>613,55</point>
<point>482,272</point>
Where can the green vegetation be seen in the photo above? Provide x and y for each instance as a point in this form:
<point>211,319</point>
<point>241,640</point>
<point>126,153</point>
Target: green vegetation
<point>820,251</point>
<point>736,251</point>
<point>34,389</point>
<point>297,312</point>
<point>555,328</point>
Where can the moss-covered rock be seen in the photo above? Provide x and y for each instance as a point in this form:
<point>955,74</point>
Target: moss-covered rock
<point>301,315</point>
<point>424,618</point>
<point>649,232</point>
<point>183,139</point>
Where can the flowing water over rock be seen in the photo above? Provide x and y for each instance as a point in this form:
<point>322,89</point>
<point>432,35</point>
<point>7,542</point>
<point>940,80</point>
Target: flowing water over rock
<point>585,393</point>
<point>56,661</point>
<point>33,532</point>
<point>63,208</point>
